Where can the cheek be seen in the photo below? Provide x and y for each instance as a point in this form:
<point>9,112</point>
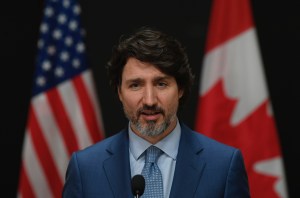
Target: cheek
<point>130,102</point>
<point>170,101</point>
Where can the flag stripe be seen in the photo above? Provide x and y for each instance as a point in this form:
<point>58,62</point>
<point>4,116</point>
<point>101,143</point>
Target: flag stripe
<point>26,188</point>
<point>44,156</point>
<point>33,168</point>
<point>87,78</point>
<point>70,100</point>
<point>62,120</point>
<point>87,109</point>
<point>51,132</point>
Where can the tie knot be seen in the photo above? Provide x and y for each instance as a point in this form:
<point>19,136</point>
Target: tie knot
<point>152,154</point>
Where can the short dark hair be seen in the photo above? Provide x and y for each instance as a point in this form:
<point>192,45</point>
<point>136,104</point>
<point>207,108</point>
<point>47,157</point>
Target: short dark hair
<point>147,44</point>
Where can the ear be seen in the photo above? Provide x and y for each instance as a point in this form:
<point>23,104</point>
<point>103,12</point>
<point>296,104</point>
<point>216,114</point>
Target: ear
<point>180,93</point>
<point>120,94</point>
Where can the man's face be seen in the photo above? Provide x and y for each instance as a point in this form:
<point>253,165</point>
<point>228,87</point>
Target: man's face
<point>150,98</point>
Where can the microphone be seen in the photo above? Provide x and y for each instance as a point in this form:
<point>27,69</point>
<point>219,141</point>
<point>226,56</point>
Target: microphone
<point>137,185</point>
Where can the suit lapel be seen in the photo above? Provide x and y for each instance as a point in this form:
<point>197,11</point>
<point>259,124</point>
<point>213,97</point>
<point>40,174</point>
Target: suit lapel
<point>189,166</point>
<point>117,167</point>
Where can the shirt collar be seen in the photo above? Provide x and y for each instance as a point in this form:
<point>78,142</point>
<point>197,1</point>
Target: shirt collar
<point>169,145</point>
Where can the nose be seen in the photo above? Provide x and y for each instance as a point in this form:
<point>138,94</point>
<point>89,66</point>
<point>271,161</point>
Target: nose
<point>150,96</point>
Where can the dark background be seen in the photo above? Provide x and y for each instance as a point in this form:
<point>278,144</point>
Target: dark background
<point>278,28</point>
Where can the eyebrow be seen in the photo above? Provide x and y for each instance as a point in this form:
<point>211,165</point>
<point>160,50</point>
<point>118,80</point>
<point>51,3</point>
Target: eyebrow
<point>158,78</point>
<point>161,78</point>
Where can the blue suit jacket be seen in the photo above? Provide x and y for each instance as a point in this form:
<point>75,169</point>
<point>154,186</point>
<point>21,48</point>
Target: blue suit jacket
<point>205,168</point>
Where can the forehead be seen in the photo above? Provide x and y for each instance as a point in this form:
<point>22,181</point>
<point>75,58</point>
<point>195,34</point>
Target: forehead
<point>138,69</point>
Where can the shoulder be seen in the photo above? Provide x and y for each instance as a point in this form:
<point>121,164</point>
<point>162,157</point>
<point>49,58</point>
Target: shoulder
<point>197,139</point>
<point>103,148</point>
<point>213,152</point>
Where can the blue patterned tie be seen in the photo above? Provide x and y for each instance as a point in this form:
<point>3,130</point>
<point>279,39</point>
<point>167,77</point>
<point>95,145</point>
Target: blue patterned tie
<point>152,174</point>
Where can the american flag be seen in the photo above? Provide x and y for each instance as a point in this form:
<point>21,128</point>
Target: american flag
<point>63,115</point>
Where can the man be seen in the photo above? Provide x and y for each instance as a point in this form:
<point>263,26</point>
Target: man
<point>151,74</point>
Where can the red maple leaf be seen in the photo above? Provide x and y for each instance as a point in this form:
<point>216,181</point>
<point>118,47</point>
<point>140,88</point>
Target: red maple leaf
<point>255,136</point>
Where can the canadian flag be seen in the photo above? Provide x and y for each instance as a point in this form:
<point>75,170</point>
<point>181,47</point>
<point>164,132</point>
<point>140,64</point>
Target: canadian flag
<point>234,105</point>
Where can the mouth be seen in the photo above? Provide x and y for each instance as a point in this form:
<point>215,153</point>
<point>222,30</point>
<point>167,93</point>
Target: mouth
<point>150,114</point>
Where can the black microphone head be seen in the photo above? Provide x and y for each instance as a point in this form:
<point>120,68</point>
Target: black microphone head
<point>137,185</point>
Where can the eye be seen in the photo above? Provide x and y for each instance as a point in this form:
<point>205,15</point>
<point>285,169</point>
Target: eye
<point>162,84</point>
<point>134,86</point>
